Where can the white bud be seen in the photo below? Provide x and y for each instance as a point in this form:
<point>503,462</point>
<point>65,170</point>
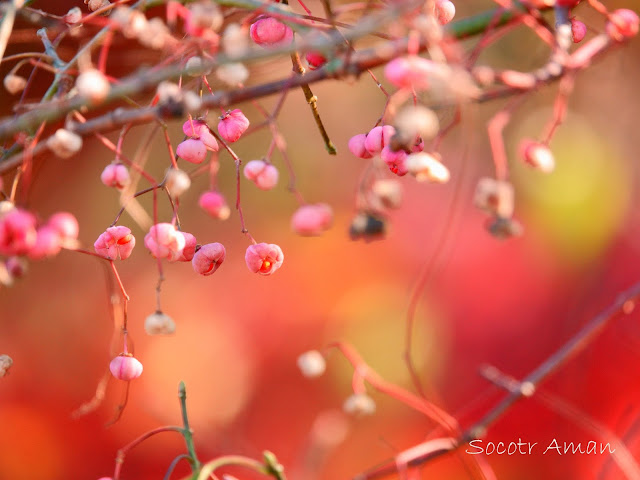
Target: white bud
<point>177,182</point>
<point>5,364</point>
<point>156,34</point>
<point>64,143</point>
<point>195,67</point>
<point>159,324</point>
<point>416,121</point>
<point>388,191</point>
<point>132,22</point>
<point>14,83</point>
<point>312,364</point>
<point>192,102</point>
<point>359,404</point>
<point>235,40</point>
<point>96,4</point>
<point>496,197</point>
<point>425,167</point>
<point>93,85</point>
<point>169,92</point>
<point>206,15</point>
<point>73,16</point>
<point>232,73</point>
<point>6,206</point>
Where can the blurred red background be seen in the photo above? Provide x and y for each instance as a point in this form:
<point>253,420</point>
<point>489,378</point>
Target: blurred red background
<point>508,304</point>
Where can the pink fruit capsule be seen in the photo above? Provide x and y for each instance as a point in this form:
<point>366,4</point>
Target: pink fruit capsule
<point>115,242</point>
<point>47,243</point>
<point>192,150</point>
<point>357,146</point>
<point>264,258</point>
<point>115,175</point>
<point>396,161</point>
<point>378,138</point>
<point>410,72</point>
<point>208,258</point>
<point>232,125</point>
<point>270,32</point>
<point>263,174</point>
<point>164,241</point>
<point>125,367</point>
<point>197,129</point>
<point>311,220</point>
<point>189,247</point>
<point>214,204</point>
<point>17,232</point>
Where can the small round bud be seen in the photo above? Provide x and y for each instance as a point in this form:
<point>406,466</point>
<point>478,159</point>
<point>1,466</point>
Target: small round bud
<point>97,4</point>
<point>64,143</point>
<point>445,11</point>
<point>5,364</point>
<point>359,404</point>
<point>159,324</point>
<point>177,182</point>
<point>496,197</point>
<point>312,364</point>
<point>232,125</point>
<point>263,174</point>
<point>623,24</point>
<point>73,16</point>
<point>264,258</point>
<point>232,73</point>
<point>208,258</point>
<point>14,84</point>
<point>195,67</point>
<point>93,85</point>
<point>125,367</point>
<point>426,167</point>
<point>192,150</point>
<point>312,220</point>
<point>537,155</point>
<point>235,41</point>
<point>578,30</point>
<point>268,32</point>
<point>215,205</point>
<point>115,175</point>
<point>132,22</point>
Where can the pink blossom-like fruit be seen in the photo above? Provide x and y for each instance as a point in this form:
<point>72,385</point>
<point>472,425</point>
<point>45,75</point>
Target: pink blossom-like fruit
<point>125,367</point>
<point>232,125</point>
<point>378,138</point>
<point>445,11</point>
<point>396,161</point>
<point>189,247</point>
<point>270,32</point>
<point>115,175</point>
<point>214,204</point>
<point>315,60</point>
<point>623,24</point>
<point>263,174</point>
<point>578,30</point>
<point>47,243</point>
<point>537,155</point>
<point>409,72</point>
<point>192,150</point>
<point>264,258</point>
<point>115,242</point>
<point>310,220</point>
<point>17,232</point>
<point>65,224</point>
<point>357,146</point>
<point>208,258</point>
<point>164,241</point>
<point>197,129</point>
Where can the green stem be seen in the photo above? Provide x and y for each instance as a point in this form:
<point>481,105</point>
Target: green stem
<point>186,430</point>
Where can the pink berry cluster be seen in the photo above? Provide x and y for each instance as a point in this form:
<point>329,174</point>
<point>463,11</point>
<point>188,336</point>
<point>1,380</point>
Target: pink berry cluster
<point>21,235</point>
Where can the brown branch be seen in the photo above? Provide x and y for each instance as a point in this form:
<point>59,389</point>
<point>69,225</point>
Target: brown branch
<point>624,304</point>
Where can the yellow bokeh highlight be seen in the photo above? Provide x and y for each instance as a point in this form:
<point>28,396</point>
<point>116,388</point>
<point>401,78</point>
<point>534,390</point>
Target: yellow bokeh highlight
<point>581,205</point>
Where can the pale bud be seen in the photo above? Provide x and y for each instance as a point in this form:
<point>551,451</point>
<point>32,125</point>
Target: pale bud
<point>73,16</point>
<point>64,143</point>
<point>388,191</point>
<point>5,364</point>
<point>496,197</point>
<point>425,167</point>
<point>312,364</point>
<point>235,40</point>
<point>177,182</point>
<point>159,324</point>
<point>359,404</point>
<point>232,73</point>
<point>156,35</point>
<point>14,83</point>
<point>195,67</point>
<point>93,85</point>
<point>97,4</point>
<point>132,22</point>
